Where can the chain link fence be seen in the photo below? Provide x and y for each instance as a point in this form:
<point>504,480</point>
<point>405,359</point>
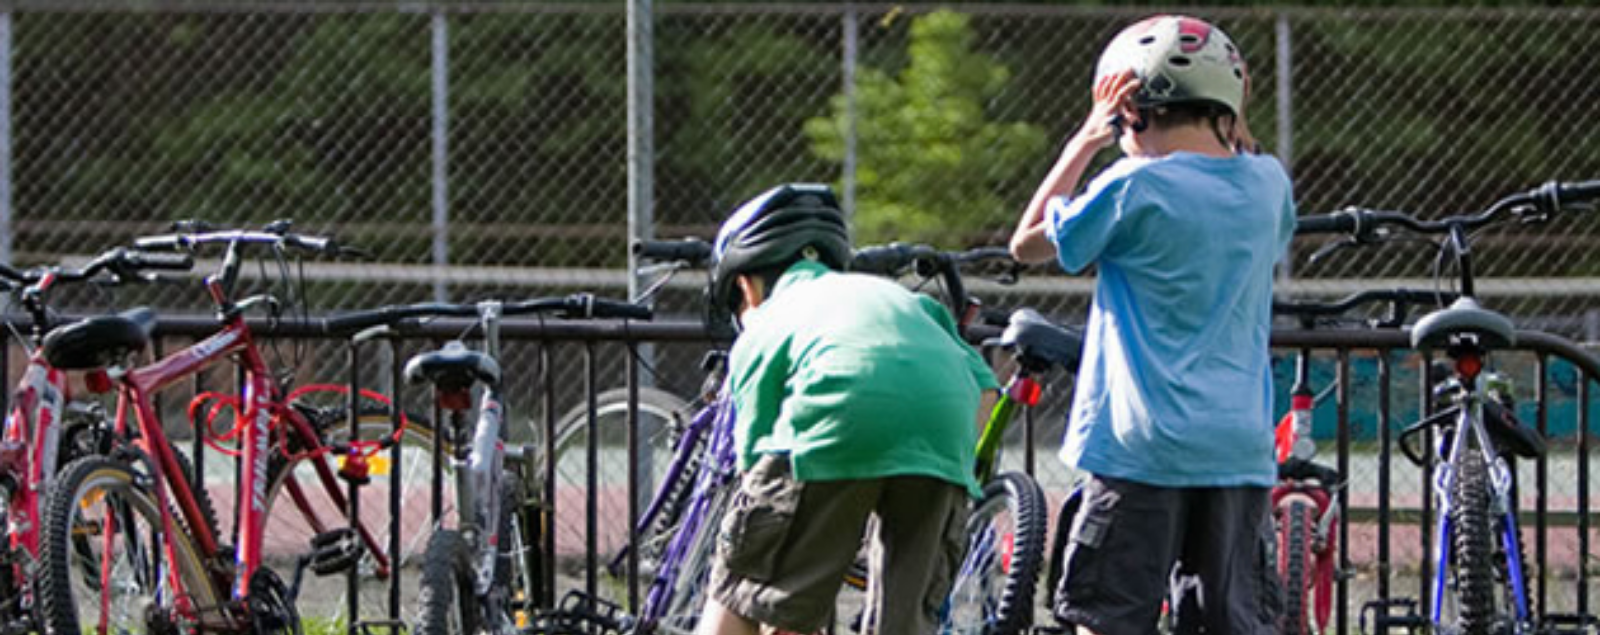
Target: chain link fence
<point>481,148</point>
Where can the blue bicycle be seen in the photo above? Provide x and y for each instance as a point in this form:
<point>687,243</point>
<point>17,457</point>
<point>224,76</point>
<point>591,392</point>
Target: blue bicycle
<point>1479,582</point>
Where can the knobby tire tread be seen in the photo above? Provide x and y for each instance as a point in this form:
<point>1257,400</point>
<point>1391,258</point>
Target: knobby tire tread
<point>446,586</point>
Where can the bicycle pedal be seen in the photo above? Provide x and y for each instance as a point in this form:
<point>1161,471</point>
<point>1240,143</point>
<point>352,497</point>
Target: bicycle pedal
<point>335,551</point>
<point>1568,624</point>
<point>1385,619</point>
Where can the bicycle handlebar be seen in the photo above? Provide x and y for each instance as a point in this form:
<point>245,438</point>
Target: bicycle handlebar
<point>694,251</point>
<point>1345,304</point>
<point>892,258</point>
<point>581,306</point>
<point>124,263</point>
<point>185,241</point>
<point>1549,198</point>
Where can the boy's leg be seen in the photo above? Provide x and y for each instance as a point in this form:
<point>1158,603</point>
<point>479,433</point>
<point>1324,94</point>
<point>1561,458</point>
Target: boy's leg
<point>1227,550</point>
<point>785,546</point>
<point>921,534</point>
<point>1124,541</point>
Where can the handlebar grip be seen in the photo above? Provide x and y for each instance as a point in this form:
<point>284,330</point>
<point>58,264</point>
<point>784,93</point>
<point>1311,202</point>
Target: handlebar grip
<point>614,309</point>
<point>8,273</point>
<point>167,242</point>
<point>880,260</point>
<point>162,261</point>
<point>1336,223</point>
<point>691,250</point>
<point>1579,192</point>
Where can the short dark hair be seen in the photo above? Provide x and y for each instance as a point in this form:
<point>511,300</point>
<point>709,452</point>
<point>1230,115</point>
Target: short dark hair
<point>1186,113</point>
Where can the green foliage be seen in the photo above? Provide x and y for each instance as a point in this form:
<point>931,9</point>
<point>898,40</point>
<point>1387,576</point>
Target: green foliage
<point>931,160</point>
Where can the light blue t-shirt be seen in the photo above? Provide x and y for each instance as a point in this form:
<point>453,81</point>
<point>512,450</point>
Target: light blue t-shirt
<point>1175,387</point>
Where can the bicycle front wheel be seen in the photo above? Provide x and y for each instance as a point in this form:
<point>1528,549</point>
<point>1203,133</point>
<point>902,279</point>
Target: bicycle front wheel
<point>992,592</point>
<point>104,560</point>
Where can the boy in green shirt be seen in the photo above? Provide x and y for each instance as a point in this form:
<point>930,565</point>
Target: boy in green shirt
<point>855,397</point>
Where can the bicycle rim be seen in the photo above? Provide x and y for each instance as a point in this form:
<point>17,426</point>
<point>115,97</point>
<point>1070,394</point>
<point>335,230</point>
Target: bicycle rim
<point>324,602</point>
<point>661,414</point>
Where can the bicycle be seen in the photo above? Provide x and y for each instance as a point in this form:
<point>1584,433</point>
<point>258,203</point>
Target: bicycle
<point>484,573</point>
<point>131,538</point>
<point>1305,507</point>
<point>47,427</point>
<point>704,456</point>
<point>1478,565</point>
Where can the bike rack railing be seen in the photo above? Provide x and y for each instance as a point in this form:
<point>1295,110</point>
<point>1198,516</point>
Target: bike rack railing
<point>553,336</point>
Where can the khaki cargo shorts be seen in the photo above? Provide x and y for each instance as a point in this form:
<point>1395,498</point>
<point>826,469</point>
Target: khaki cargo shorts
<point>786,546</point>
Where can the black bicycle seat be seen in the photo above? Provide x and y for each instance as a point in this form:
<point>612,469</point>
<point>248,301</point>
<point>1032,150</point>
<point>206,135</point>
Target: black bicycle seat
<point>99,341</point>
<point>1040,342</point>
<point>454,367</point>
<point>1464,316</point>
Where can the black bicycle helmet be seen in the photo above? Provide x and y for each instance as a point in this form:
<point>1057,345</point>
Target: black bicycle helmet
<point>775,228</point>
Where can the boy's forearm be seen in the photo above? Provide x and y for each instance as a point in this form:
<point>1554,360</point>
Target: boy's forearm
<point>1030,243</point>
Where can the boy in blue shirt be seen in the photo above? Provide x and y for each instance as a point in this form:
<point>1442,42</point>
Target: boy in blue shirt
<point>1172,414</point>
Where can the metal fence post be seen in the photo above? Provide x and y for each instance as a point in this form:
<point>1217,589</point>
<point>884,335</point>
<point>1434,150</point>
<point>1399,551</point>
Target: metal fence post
<point>441,154</point>
<point>1285,85</point>
<point>641,132</point>
<point>852,28</point>
<point>5,137</point>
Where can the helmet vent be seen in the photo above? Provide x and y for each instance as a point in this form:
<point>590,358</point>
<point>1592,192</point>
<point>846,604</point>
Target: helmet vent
<point>1238,73</point>
<point>1188,38</point>
<point>1178,60</point>
<point>1147,40</point>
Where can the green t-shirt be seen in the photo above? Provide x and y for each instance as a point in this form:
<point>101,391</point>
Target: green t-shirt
<point>854,377</point>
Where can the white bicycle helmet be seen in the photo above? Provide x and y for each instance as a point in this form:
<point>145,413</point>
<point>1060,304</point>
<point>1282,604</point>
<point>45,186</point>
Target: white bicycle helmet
<point>1179,59</point>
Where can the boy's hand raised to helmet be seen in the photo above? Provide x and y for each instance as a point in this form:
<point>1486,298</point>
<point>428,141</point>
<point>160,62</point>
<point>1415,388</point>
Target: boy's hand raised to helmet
<point>1113,108</point>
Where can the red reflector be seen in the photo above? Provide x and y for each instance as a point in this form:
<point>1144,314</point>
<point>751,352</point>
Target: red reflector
<point>1468,366</point>
<point>1026,392</point>
<point>455,399</point>
<point>97,381</point>
<point>1300,402</point>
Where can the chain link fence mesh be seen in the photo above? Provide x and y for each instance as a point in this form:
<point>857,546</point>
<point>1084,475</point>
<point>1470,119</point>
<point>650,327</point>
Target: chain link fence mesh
<point>480,148</point>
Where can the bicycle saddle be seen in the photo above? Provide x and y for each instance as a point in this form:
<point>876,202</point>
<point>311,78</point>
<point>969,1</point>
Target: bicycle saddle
<point>1463,316</point>
<point>99,341</point>
<point>1040,342</point>
<point>454,367</point>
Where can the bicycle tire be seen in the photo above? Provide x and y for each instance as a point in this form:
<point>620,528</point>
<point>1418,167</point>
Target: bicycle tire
<point>447,604</point>
<point>1474,547</point>
<point>98,481</point>
<point>290,534</point>
<point>992,591</point>
<point>1296,520</point>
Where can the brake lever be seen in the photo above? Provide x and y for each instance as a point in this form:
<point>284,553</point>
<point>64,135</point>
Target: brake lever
<point>1328,249</point>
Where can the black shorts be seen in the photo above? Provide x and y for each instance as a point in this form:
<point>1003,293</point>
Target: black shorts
<point>1134,545</point>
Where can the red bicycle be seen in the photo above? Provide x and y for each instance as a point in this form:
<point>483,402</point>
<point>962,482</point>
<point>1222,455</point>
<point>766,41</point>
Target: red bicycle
<point>131,540</point>
<point>1305,508</point>
<point>46,427</point>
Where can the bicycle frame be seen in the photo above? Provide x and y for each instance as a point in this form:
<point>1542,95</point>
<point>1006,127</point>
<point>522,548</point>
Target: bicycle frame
<point>262,407</point>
